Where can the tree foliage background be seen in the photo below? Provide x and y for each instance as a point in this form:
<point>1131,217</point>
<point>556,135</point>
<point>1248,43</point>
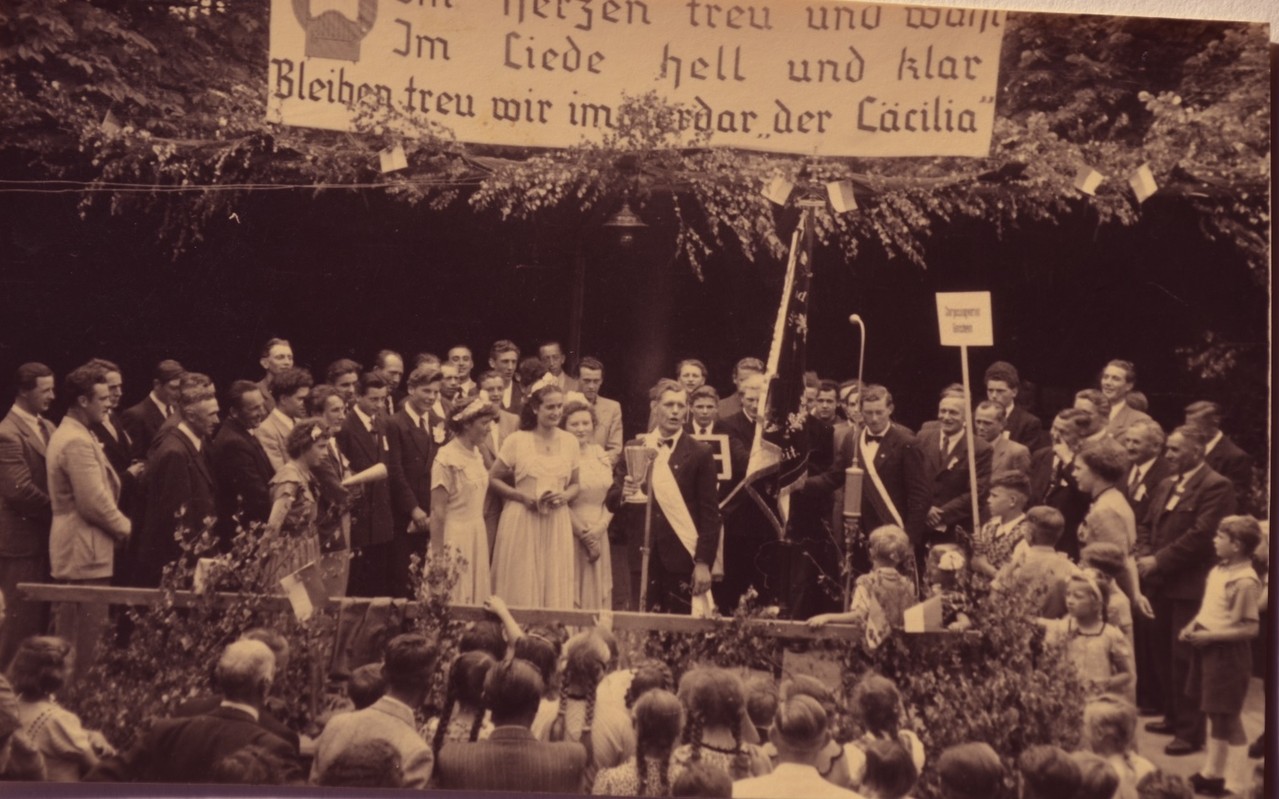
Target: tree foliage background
<point>184,82</point>
<point>151,113</point>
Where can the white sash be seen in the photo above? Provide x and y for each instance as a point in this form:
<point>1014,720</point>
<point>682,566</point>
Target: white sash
<point>667,495</point>
<point>879,484</point>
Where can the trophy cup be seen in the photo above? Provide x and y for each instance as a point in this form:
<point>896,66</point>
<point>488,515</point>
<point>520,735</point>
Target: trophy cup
<point>637,463</point>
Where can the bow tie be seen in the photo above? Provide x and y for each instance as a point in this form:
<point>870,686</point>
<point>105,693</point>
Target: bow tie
<point>875,438</point>
<point>666,442</point>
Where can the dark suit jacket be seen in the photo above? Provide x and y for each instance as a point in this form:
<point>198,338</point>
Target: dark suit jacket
<point>208,704</point>
<point>25,511</point>
<point>1232,463</point>
<point>512,760</point>
<point>142,422</point>
<point>1061,493</point>
<point>738,453</point>
<point>371,512</point>
<point>1181,539</point>
<point>180,492</point>
<point>411,455</point>
<point>185,750</point>
<point>119,453</point>
<point>1025,428</point>
<point>947,483</point>
<point>1139,498</point>
<point>695,471</point>
<point>738,427</point>
<point>243,474</point>
<point>900,468</point>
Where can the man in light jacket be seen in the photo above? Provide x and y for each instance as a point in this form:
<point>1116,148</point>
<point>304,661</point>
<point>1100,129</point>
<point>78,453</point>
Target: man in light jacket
<point>87,522</point>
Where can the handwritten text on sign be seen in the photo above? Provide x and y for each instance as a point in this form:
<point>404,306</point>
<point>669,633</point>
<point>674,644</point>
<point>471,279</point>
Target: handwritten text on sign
<point>829,78</point>
<point>964,319</point>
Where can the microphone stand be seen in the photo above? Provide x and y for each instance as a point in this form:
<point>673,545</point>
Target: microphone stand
<point>853,477</point>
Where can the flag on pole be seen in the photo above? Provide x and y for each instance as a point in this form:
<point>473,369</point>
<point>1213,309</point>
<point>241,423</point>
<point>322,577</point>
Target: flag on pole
<point>779,454</point>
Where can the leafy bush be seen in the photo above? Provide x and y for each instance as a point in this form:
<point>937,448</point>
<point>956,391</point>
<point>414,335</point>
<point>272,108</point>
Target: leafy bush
<point>998,683</point>
<point>164,654</point>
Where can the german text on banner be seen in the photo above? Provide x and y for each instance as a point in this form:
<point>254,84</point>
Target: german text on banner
<point>822,78</point>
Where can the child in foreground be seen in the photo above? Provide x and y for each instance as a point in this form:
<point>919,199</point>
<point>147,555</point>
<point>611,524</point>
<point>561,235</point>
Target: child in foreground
<point>1100,651</point>
<point>1222,633</point>
<point>885,586</point>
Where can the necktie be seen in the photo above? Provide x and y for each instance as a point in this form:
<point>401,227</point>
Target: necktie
<point>665,442</point>
<point>706,431</point>
<point>945,446</point>
<point>1134,480</point>
<point>44,431</point>
<point>389,407</point>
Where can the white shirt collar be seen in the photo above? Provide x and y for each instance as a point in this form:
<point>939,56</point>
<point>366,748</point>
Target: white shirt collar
<point>1143,468</point>
<point>250,709</point>
<point>164,409</point>
<point>368,421</point>
<point>657,436</point>
<point>287,420</point>
<point>1185,477</point>
<point>32,420</point>
<point>191,435</point>
<point>1214,441</point>
<point>1007,527</point>
<point>392,700</point>
<point>413,415</point>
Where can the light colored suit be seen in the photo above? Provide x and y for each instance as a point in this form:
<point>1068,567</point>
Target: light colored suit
<point>24,528</point>
<point>272,435</point>
<point>1008,455</point>
<point>386,719</point>
<point>87,522</point>
<point>608,427</point>
<point>790,779</point>
<point>1123,419</point>
<point>84,491</point>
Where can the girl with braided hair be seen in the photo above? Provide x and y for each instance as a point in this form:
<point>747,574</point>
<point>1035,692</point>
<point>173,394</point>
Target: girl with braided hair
<point>715,703</point>
<point>464,717</point>
<point>879,706</point>
<point>585,664</point>
<point>659,717</point>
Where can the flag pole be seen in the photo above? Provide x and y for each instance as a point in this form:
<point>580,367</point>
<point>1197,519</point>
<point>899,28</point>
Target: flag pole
<point>968,435</point>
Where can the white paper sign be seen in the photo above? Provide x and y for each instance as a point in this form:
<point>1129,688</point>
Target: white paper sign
<point>964,319</point>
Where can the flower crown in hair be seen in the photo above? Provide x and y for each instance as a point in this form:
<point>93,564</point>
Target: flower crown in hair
<point>471,411</point>
<point>316,433</point>
<point>575,396</point>
<point>542,382</point>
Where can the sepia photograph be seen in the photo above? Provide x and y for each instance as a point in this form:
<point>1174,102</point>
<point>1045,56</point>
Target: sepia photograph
<point>759,399</point>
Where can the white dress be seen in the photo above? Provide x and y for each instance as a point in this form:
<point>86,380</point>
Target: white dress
<point>461,473</point>
<point>594,580</point>
<point>533,556</point>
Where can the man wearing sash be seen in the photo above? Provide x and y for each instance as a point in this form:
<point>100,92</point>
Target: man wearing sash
<point>894,490</point>
<point>685,521</point>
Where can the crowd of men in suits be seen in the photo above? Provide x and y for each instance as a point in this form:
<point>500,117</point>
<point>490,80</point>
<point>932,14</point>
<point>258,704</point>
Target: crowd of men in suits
<point>97,499</point>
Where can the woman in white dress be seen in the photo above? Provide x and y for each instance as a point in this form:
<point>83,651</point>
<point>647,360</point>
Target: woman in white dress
<point>535,474</point>
<point>459,483</point>
<point>593,567</point>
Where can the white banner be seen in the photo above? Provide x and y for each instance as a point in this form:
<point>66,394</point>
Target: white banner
<point>832,78</point>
